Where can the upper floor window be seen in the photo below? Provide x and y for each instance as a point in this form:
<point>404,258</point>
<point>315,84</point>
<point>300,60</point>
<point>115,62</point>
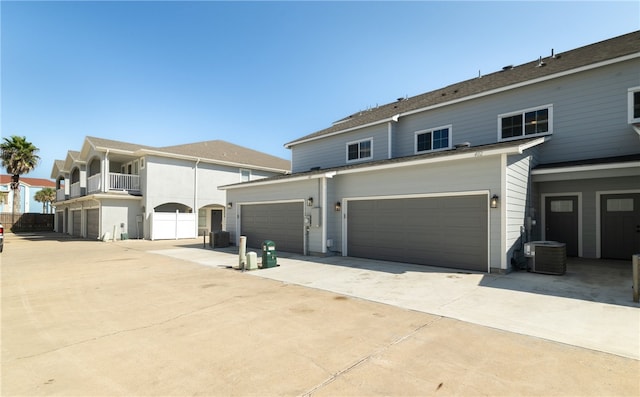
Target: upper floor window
<point>360,150</point>
<point>526,122</point>
<point>634,105</point>
<point>245,175</point>
<point>433,139</point>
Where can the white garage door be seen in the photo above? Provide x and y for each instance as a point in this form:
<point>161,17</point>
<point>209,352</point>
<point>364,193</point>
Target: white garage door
<point>438,231</point>
<point>282,223</point>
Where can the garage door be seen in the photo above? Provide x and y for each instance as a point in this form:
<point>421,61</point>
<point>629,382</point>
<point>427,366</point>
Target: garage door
<point>437,231</point>
<point>93,223</point>
<point>283,223</point>
<point>76,218</point>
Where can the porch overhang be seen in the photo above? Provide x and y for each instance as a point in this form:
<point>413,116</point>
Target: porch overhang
<point>589,169</point>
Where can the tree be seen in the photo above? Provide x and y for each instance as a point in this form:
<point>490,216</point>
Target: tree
<point>18,157</point>
<point>45,196</point>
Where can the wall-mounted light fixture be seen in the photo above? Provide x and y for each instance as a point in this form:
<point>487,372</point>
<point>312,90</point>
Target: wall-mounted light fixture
<point>310,202</point>
<point>229,205</point>
<point>494,201</point>
<point>338,206</point>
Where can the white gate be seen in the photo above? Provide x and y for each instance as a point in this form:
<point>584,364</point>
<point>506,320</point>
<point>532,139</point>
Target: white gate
<point>173,225</point>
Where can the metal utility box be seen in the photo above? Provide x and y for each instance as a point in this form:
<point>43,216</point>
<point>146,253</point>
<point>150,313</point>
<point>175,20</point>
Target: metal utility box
<point>548,257</point>
<point>269,258</point>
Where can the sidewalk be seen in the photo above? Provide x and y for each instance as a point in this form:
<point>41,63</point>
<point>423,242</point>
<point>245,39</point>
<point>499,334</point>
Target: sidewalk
<point>559,308</point>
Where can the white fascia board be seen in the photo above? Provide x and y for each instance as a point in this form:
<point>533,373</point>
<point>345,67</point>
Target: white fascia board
<point>142,152</point>
<point>277,181</point>
<point>479,95</point>
<point>580,168</point>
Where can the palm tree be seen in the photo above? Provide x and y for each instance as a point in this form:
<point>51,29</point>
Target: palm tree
<point>45,196</point>
<point>18,157</point>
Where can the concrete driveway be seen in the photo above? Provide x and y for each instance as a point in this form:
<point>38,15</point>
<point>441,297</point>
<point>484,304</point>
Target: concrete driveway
<point>133,318</point>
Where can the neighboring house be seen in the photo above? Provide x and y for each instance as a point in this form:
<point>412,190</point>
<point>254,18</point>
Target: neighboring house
<point>28,189</point>
<point>463,176</point>
<point>112,189</point>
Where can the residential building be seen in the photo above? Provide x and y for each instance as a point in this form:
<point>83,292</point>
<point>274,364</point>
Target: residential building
<point>463,176</point>
<point>28,189</point>
<point>111,189</point>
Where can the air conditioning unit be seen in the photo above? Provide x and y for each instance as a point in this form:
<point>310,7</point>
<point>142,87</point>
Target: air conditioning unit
<point>547,257</point>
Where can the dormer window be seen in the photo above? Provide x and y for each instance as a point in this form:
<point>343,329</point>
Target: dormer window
<point>433,139</point>
<point>634,105</point>
<point>523,123</point>
<point>361,150</point>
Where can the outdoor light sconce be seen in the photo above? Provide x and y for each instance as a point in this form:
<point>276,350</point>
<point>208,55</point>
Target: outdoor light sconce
<point>338,206</point>
<point>229,205</point>
<point>310,202</point>
<point>494,201</point>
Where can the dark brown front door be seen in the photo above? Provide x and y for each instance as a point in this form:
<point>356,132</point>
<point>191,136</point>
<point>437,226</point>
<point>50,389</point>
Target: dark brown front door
<point>620,225</point>
<point>216,220</point>
<point>561,221</point>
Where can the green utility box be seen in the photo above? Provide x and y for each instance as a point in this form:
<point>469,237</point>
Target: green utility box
<point>269,258</point>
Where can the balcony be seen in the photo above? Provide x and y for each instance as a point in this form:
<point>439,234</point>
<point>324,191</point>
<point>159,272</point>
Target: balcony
<point>60,196</point>
<point>75,190</point>
<point>124,182</point>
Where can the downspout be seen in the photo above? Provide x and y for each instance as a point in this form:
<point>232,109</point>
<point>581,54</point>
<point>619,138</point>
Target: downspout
<point>105,172</point>
<point>323,222</point>
<point>195,195</point>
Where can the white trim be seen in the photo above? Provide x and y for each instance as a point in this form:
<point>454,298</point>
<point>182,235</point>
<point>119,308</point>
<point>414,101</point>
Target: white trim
<point>502,207</point>
<point>630,104</point>
<point>522,112</point>
<point>599,194</point>
<point>448,127</point>
<point>324,209</point>
<point>389,140</point>
<point>594,167</point>
<point>345,211</point>
<point>476,96</point>
<point>543,211</point>
<point>359,141</point>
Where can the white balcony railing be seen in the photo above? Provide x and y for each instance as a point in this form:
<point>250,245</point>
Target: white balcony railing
<point>75,190</point>
<point>125,182</point>
<point>60,195</point>
<point>94,183</point>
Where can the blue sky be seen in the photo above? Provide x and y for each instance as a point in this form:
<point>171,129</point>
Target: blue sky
<point>258,74</point>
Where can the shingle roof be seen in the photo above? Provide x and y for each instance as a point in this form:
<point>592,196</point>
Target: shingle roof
<point>215,150</point>
<point>598,52</point>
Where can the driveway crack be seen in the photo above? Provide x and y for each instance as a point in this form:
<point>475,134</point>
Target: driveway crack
<point>335,376</point>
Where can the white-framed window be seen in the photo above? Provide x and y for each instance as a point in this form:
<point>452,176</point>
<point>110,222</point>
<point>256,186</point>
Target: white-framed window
<point>433,139</point>
<point>524,123</point>
<point>245,175</point>
<point>141,163</point>
<point>360,150</point>
<point>135,167</point>
<point>634,105</point>
<point>202,218</point>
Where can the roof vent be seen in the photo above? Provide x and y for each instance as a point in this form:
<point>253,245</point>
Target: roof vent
<point>508,67</point>
<point>541,63</point>
<point>462,145</point>
<point>314,168</point>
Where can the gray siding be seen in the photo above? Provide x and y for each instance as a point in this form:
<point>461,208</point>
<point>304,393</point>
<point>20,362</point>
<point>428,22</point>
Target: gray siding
<point>517,201</point>
<point>589,120</point>
<point>332,151</point>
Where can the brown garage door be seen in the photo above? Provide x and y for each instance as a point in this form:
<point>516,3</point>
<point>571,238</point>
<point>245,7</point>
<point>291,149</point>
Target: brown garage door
<point>282,223</point>
<point>438,231</point>
<point>93,223</point>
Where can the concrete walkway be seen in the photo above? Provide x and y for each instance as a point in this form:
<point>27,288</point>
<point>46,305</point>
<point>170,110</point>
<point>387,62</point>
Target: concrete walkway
<point>589,307</point>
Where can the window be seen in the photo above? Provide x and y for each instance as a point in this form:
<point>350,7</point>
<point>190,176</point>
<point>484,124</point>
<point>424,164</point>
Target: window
<point>529,122</point>
<point>245,175</point>
<point>141,162</point>
<point>433,139</point>
<point>202,218</point>
<point>135,167</point>
<point>634,105</point>
<point>359,150</point>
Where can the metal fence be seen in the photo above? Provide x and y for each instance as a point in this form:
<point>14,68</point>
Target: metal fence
<point>29,222</point>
